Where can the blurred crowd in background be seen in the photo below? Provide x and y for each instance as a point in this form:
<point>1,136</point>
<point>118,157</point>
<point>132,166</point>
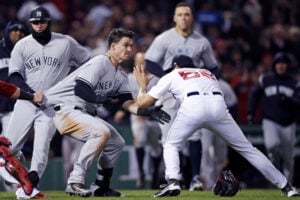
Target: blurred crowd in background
<point>245,34</point>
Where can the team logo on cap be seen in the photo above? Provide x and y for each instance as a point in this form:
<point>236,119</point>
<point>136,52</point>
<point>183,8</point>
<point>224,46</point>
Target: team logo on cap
<point>38,14</point>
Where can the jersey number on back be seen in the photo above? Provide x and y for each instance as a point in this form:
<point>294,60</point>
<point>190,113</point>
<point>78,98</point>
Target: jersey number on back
<point>189,74</point>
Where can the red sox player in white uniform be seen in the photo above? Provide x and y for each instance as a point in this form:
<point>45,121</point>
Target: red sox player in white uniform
<point>201,106</point>
<point>181,39</point>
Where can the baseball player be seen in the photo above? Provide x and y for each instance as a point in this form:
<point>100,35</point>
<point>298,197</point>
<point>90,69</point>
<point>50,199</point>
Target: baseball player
<point>75,100</point>
<point>145,131</point>
<point>278,90</point>
<point>202,105</point>
<point>38,61</point>
<point>181,39</point>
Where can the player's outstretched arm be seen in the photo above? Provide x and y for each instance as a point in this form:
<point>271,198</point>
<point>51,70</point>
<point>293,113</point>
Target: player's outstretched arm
<point>153,112</point>
<point>12,91</point>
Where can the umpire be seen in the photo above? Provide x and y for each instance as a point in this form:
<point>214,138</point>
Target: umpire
<point>277,90</point>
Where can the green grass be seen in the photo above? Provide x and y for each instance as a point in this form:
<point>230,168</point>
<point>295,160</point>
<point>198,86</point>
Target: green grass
<point>246,194</point>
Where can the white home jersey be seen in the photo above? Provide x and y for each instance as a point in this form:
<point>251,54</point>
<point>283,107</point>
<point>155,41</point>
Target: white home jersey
<point>182,81</point>
<point>44,66</point>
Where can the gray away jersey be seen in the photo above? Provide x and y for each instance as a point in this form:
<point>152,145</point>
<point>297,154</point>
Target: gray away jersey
<point>169,44</point>
<point>99,73</point>
<point>44,66</point>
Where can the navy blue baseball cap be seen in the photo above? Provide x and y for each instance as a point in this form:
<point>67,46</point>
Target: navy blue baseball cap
<point>183,61</point>
<point>281,57</point>
<point>39,14</point>
<point>16,25</point>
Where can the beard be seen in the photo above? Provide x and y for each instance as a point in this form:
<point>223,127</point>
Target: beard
<point>42,37</point>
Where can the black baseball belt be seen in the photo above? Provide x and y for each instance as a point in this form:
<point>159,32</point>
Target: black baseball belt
<point>58,108</point>
<point>203,93</point>
<point>93,113</point>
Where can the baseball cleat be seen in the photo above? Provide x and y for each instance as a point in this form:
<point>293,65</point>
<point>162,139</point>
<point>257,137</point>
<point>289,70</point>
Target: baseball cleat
<point>100,192</point>
<point>290,191</point>
<point>196,184</point>
<point>78,189</point>
<point>171,189</point>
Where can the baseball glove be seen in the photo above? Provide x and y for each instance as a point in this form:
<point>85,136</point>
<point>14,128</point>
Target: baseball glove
<point>226,185</point>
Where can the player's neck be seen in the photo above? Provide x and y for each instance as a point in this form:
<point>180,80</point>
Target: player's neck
<point>113,60</point>
<point>184,33</point>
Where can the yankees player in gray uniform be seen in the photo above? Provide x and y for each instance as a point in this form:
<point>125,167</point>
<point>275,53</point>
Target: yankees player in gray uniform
<point>39,61</point>
<point>145,132</point>
<point>202,105</point>
<point>181,39</point>
<point>75,100</point>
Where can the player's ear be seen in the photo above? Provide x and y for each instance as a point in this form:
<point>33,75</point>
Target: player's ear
<point>113,45</point>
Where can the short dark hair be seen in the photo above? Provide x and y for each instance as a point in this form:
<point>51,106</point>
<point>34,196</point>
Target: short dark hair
<point>183,61</point>
<point>182,4</point>
<point>117,34</point>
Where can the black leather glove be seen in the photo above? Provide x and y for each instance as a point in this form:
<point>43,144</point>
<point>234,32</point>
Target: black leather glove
<point>155,113</point>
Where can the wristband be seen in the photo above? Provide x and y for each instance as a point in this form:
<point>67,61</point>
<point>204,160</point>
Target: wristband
<point>25,95</point>
<point>143,112</point>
